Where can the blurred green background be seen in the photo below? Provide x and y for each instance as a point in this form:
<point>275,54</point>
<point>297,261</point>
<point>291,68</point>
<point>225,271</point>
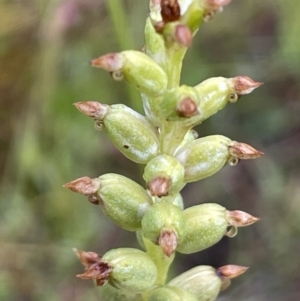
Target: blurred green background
<point>45,49</point>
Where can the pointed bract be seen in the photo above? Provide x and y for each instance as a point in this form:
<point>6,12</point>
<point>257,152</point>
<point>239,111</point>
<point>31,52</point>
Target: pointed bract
<point>168,241</point>
<point>92,109</point>
<point>243,151</point>
<point>231,271</point>
<point>239,218</point>
<point>84,185</point>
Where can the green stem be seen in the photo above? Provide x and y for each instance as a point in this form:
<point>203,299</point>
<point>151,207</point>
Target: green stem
<point>172,135</point>
<point>162,261</point>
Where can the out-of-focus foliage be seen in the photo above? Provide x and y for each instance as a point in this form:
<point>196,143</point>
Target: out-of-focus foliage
<point>45,48</point>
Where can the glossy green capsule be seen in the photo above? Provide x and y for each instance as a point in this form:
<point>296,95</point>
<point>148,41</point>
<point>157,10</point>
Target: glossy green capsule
<point>206,282</point>
<point>206,225</point>
<point>214,93</point>
<point>169,293</point>
<point>180,103</point>
<point>165,224</point>
<point>130,132</point>
<point>132,269</point>
<point>121,199</point>
<point>201,281</point>
<point>164,176</point>
<point>137,68</point>
<point>110,293</point>
<point>203,157</point>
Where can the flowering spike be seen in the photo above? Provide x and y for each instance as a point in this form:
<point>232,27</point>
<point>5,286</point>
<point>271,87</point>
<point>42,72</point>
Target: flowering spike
<point>243,151</point>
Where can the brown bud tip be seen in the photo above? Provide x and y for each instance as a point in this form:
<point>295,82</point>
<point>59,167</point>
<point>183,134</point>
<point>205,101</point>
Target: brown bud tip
<point>92,109</point>
<point>159,186</point>
<point>170,10</point>
<point>159,26</point>
<point>215,4</point>
<point>231,271</point>
<point>243,151</point>
<point>87,258</point>
<point>187,108</point>
<point>168,241</point>
<point>110,62</point>
<point>95,268</point>
<point>240,218</point>
<point>245,85</point>
<point>84,185</point>
<point>183,35</point>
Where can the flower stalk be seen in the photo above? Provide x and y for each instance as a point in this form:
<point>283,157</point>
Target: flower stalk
<point>164,141</point>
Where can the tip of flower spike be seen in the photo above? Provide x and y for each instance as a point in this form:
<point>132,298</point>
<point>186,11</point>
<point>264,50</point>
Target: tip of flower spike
<point>231,271</point>
<point>95,268</point>
<point>183,35</point>
<point>84,185</point>
<point>170,10</point>
<point>168,241</point>
<point>243,151</point>
<point>159,186</point>
<point>187,108</point>
<point>215,4</point>
<point>92,109</point>
<point>109,62</point>
<point>240,218</point>
<point>245,85</point>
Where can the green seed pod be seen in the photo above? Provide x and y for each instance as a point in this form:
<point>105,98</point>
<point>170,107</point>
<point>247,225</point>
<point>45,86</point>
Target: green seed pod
<point>164,176</point>
<point>110,293</point>
<point>206,282</point>
<point>168,293</point>
<point>132,269</point>
<point>164,223</point>
<point>203,157</point>
<point>202,281</point>
<point>138,69</point>
<point>129,131</point>
<point>121,199</point>
<point>214,93</point>
<point>180,104</point>
<point>206,225</point>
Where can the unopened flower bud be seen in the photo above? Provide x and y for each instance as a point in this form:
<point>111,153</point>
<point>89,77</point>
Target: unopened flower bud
<point>164,175</point>
<point>231,271</point>
<point>201,281</point>
<point>205,156</point>
<point>121,199</point>
<point>164,223</point>
<point>171,293</point>
<point>124,268</point>
<point>208,223</point>
<point>180,103</point>
<point>139,70</point>
<point>214,93</point>
<point>170,10</point>
<point>130,132</point>
<point>206,282</point>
